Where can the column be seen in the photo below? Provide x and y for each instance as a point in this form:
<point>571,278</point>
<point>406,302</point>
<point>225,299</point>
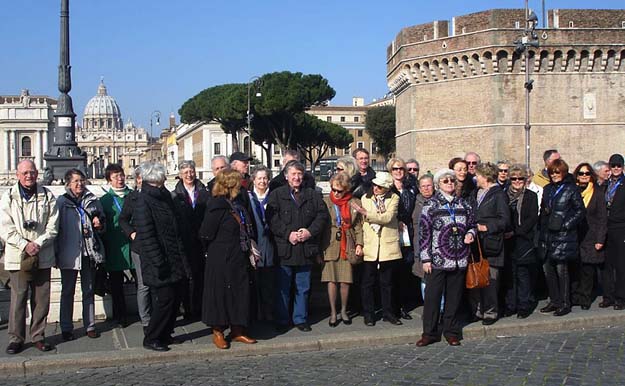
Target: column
<point>38,150</point>
<point>16,148</point>
<point>7,144</point>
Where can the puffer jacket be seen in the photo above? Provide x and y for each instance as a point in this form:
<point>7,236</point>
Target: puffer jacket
<point>41,207</point>
<point>560,216</point>
<point>70,243</point>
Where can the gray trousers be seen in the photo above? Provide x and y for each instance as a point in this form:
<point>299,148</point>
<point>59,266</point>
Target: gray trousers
<point>144,301</point>
<point>68,289</point>
<point>39,284</point>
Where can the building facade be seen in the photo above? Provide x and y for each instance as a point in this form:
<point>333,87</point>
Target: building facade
<point>353,119</point>
<point>105,138</point>
<point>25,123</point>
<point>459,87</point>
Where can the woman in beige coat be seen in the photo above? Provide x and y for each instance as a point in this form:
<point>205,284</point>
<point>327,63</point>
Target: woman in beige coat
<point>381,246</point>
<point>345,222</point>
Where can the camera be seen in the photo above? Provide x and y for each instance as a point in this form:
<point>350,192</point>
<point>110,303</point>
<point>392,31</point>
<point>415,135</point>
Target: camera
<point>30,224</point>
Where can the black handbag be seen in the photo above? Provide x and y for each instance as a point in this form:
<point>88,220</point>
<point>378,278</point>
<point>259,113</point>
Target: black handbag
<point>101,285</point>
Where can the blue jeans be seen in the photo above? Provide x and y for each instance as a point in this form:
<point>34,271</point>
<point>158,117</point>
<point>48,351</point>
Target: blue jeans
<point>302,289</point>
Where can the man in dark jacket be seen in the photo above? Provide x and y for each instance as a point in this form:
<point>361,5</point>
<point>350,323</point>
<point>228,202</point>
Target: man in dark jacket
<point>297,216</point>
<point>280,179</point>
<point>361,181</point>
<point>190,197</point>
<point>126,222</point>
<point>614,269</point>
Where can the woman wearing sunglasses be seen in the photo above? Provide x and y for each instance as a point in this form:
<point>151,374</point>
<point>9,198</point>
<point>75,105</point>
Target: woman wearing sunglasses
<point>446,229</point>
<point>346,223</point>
<point>561,212</point>
<point>520,267</point>
<point>592,234</point>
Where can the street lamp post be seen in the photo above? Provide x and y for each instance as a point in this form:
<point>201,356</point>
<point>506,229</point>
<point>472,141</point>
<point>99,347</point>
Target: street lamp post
<point>257,82</point>
<point>529,39</point>
<point>156,117</point>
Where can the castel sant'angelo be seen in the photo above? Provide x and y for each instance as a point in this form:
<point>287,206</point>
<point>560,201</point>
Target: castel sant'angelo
<point>459,87</point>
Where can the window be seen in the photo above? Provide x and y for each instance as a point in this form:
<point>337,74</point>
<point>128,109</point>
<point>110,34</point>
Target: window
<point>571,24</point>
<point>342,119</point>
<point>276,163</point>
<point>329,119</point>
<point>360,145</point>
<point>332,151</point>
<point>276,150</point>
<point>356,119</point>
<point>347,151</point>
<point>374,148</point>
<point>517,24</point>
<point>217,148</point>
<point>464,30</point>
<point>360,132</point>
<point>26,147</point>
<point>623,24</point>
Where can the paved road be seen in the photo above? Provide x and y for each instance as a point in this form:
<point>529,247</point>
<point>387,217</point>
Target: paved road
<point>591,357</point>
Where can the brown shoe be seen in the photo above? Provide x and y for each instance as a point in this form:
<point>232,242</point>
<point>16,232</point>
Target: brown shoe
<point>93,334</point>
<point>219,340</point>
<point>425,341</point>
<point>237,335</point>
<point>452,340</point>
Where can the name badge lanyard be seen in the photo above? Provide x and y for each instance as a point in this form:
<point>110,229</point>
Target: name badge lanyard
<point>554,195</point>
<point>117,204</point>
<point>612,191</point>
<point>338,216</point>
<point>452,214</point>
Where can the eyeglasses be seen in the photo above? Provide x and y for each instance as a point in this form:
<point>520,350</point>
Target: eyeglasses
<point>448,180</point>
<point>517,179</point>
<point>337,190</point>
<point>413,169</point>
<point>471,162</point>
<point>503,170</point>
<point>580,173</point>
<point>616,165</point>
<point>340,169</point>
<point>397,169</point>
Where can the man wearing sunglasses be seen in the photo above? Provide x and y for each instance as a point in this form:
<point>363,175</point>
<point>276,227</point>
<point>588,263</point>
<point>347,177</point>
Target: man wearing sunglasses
<point>472,159</point>
<point>614,268</point>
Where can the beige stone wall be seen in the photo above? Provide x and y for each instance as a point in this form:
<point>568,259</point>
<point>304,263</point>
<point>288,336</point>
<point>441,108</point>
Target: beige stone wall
<point>487,114</point>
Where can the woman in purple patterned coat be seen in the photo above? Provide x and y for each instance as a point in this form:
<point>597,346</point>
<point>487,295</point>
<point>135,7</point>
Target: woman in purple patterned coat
<point>446,229</point>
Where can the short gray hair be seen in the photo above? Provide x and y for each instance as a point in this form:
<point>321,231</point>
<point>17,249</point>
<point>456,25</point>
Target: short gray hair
<point>222,157</point>
<point>413,161</point>
<point>518,169</point>
<point>153,173</point>
<point>261,168</point>
<point>598,165</point>
<point>186,164</point>
<point>443,173</point>
<point>293,164</point>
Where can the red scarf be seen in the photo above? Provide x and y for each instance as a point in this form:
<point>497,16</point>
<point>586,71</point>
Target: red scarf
<point>346,219</point>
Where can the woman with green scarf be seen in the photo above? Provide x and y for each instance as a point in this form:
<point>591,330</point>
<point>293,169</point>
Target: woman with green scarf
<point>116,243</point>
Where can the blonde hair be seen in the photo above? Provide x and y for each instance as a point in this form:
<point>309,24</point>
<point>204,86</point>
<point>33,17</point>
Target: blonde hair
<point>348,163</point>
<point>343,179</point>
<point>227,184</point>
<point>393,161</point>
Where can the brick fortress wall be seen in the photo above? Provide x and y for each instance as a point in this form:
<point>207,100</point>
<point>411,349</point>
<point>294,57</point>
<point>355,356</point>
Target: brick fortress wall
<point>464,91</point>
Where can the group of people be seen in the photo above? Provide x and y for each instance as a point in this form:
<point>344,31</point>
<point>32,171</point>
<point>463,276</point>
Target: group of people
<point>243,246</point>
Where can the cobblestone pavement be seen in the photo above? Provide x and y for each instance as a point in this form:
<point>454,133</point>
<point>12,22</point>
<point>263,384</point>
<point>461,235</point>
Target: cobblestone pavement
<point>590,357</point>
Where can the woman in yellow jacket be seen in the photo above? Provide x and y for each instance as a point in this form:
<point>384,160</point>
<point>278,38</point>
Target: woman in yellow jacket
<point>381,247</point>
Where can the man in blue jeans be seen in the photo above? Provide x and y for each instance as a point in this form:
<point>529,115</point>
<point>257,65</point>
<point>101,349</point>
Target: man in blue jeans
<point>297,216</point>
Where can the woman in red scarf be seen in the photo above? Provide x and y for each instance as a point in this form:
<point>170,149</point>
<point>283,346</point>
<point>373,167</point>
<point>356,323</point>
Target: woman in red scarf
<point>345,222</point>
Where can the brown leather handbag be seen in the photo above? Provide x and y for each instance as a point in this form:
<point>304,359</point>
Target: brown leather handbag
<point>350,250</point>
<point>478,275</point>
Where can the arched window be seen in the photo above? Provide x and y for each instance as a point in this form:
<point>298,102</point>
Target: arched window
<point>26,147</point>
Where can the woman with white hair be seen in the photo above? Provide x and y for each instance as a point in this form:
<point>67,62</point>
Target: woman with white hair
<point>446,229</point>
<point>163,261</point>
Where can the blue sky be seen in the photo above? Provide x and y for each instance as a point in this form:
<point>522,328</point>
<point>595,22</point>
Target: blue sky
<point>155,54</point>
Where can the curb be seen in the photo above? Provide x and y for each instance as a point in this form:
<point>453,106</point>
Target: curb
<point>38,365</point>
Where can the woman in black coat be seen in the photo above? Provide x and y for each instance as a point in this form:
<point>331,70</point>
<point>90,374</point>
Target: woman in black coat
<point>519,244</point>
<point>561,212</point>
<point>163,260</point>
<point>226,236</point>
<point>592,232</point>
<point>493,219</point>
